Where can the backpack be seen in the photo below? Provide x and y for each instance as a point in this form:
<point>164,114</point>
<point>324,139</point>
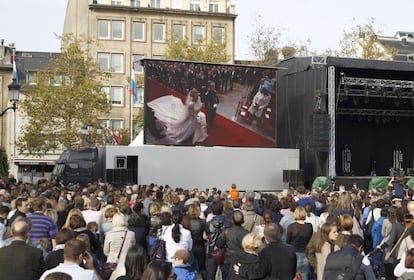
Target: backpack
<point>368,234</point>
<point>214,227</point>
<point>342,266</point>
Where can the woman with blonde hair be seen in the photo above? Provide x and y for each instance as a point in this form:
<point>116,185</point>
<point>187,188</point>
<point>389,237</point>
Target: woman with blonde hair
<point>328,234</point>
<point>298,235</point>
<point>248,258</point>
<point>72,212</point>
<point>117,242</point>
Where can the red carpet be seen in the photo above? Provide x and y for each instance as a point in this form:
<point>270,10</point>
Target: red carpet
<point>225,132</point>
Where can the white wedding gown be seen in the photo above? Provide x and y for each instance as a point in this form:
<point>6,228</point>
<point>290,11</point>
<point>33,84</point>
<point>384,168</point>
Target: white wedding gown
<point>181,121</point>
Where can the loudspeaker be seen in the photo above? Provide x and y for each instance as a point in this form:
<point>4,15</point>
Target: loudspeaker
<point>292,178</point>
<point>320,132</point>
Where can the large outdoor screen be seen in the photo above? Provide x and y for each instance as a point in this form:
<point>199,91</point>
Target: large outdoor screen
<point>199,104</point>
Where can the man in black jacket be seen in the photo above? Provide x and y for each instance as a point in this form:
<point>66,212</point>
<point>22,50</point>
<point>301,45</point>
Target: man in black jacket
<point>231,238</point>
<point>19,260</point>
<point>277,259</point>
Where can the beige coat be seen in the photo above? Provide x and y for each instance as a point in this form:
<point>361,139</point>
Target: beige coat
<point>321,259</point>
<point>251,219</point>
<point>112,246</point>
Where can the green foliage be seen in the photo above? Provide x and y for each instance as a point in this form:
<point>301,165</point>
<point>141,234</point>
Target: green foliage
<point>264,43</point>
<point>362,42</point>
<point>4,164</point>
<point>67,94</point>
<point>203,51</point>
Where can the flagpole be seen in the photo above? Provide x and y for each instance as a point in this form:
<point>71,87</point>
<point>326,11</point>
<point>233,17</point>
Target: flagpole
<point>131,97</point>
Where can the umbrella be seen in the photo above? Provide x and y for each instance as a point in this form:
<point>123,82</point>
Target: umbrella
<point>378,183</point>
<point>322,182</point>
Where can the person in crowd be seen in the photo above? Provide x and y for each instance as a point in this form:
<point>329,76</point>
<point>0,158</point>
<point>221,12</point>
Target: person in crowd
<point>260,101</point>
<point>58,276</point>
<point>62,211</point>
<point>387,223</point>
<point>234,192</point>
<point>349,262</point>
<point>182,269</point>
<point>406,243</point>
<point>72,212</point>
<point>158,270</point>
<point>137,224</point>
<point>377,229</point>
<point>42,226</point>
<point>344,205</point>
<point>398,229</point>
<point>267,218</point>
<point>135,263</point>
<point>22,209</point>
<point>275,208</point>
<point>106,224</point>
<point>55,257</point>
<point>93,213</point>
<point>398,185</point>
<point>149,199</point>
<point>248,258</point>
<point>271,257</point>
<point>311,218</point>
<point>327,236</point>
<point>20,260</point>
<point>75,253</point>
<point>346,223</point>
<point>251,218</point>
<point>404,270</point>
<point>231,238</point>
<point>213,229</point>
<point>288,219</point>
<point>78,225</point>
<point>298,235</point>
<point>176,237</point>
<point>4,211</point>
<point>97,263</point>
<point>198,227</point>
<point>303,198</point>
<point>117,242</point>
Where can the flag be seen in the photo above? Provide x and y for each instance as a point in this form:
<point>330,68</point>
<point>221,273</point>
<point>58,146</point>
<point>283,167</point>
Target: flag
<point>133,89</point>
<point>14,66</point>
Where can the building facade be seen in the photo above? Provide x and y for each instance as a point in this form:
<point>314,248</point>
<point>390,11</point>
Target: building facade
<point>127,31</point>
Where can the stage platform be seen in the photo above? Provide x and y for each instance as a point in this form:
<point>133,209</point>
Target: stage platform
<point>361,181</point>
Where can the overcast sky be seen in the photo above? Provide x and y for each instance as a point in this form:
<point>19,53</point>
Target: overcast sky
<point>31,24</point>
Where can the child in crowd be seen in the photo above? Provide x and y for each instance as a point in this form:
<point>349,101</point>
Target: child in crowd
<point>182,268</point>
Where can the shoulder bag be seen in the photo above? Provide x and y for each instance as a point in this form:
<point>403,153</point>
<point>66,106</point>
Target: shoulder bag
<point>219,252</point>
<point>109,267</point>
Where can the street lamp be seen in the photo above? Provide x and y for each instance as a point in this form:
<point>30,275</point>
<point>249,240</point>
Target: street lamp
<point>14,92</point>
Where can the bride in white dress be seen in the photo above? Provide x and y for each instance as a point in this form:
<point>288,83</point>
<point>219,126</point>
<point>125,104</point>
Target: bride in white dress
<point>181,121</point>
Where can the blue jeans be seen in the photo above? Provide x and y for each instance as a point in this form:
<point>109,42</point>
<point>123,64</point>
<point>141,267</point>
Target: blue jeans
<point>302,265</point>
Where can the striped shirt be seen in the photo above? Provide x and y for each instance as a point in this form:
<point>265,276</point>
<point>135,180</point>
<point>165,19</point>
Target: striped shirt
<point>42,227</point>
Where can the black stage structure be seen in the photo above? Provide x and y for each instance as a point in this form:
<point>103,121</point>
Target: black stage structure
<point>352,119</point>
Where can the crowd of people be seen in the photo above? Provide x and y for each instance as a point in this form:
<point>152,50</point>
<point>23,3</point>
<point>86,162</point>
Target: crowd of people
<point>153,232</point>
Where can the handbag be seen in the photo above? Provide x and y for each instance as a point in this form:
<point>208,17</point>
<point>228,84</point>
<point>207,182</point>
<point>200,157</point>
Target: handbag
<point>109,267</point>
<point>158,249</point>
<point>220,252</point>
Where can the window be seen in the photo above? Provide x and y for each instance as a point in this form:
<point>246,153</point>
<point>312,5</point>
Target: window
<point>213,7</point>
<point>198,34</point>
<point>155,3</point>
<point>179,32</point>
<point>135,3</point>
<point>194,5</point>
<point>158,31</point>
<point>115,124</point>
<point>117,30</point>
<point>137,63</point>
<point>217,35</point>
<point>111,62</point>
<point>175,4</point>
<point>30,77</point>
<point>138,31</point>
<point>108,29</point>
<point>103,29</point>
<point>116,95</point>
<point>116,63</point>
<point>157,56</point>
<point>113,2</point>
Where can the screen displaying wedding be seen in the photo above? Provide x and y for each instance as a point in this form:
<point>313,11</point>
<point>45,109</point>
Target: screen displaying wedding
<point>201,104</point>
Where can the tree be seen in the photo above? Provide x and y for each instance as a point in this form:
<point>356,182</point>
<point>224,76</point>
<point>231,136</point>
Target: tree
<point>67,94</point>
<point>264,43</point>
<point>205,51</point>
<point>362,42</point>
